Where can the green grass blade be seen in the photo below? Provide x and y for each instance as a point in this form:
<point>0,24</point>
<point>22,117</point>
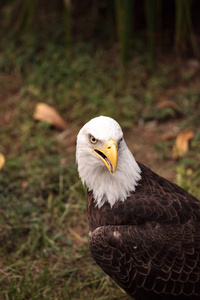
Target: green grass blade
<point>67,26</point>
<point>151,26</point>
<point>184,28</point>
<point>124,17</point>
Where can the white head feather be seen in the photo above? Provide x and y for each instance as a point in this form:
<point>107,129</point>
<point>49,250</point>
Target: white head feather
<point>92,170</point>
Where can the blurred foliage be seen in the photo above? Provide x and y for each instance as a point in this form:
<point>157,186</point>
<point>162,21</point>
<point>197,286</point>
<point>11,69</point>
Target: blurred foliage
<point>151,7</point>
<point>163,24</point>
<point>124,12</point>
<point>65,55</point>
<point>184,27</point>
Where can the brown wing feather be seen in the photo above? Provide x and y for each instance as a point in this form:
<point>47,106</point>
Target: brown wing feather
<point>150,264</point>
<point>153,249</point>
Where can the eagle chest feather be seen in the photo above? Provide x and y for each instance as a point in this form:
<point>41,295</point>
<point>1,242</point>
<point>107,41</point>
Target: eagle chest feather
<point>119,214</point>
<point>155,200</point>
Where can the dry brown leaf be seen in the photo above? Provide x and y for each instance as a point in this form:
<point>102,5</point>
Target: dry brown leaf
<point>170,104</point>
<point>2,160</point>
<point>181,145</point>
<point>24,184</point>
<point>46,113</point>
<point>168,137</point>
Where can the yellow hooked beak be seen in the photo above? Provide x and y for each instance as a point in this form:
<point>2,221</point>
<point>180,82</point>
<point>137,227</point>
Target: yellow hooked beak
<point>109,156</point>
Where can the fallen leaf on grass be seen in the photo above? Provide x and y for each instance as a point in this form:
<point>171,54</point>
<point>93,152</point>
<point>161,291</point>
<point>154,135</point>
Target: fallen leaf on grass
<point>170,104</point>
<point>168,137</point>
<point>2,160</point>
<point>46,113</point>
<point>181,145</point>
<point>24,184</point>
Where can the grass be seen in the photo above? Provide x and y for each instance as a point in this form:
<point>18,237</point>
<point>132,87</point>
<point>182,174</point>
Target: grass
<point>43,223</point>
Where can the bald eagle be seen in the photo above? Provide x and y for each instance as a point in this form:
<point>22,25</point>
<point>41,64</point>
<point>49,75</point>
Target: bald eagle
<point>144,230</point>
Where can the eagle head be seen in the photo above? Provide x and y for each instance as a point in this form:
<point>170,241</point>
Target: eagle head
<point>105,163</point>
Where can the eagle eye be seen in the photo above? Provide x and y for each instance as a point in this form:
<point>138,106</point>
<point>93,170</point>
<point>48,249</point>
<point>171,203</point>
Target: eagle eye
<point>93,140</point>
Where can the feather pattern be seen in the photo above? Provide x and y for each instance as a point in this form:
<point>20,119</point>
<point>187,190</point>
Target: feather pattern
<point>150,244</point>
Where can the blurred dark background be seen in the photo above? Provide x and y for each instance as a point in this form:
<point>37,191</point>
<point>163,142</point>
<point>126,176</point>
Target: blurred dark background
<point>55,47</point>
